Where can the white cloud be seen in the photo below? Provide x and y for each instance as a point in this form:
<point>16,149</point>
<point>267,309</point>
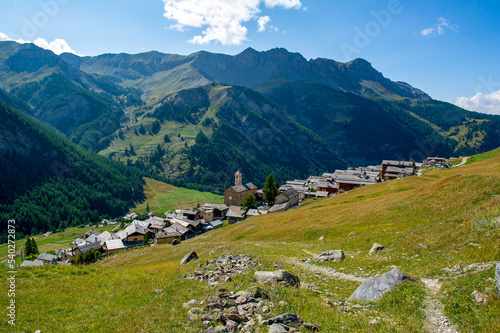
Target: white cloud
<point>262,21</point>
<point>57,46</point>
<point>439,28</point>
<point>485,103</point>
<point>5,38</point>
<point>224,19</point>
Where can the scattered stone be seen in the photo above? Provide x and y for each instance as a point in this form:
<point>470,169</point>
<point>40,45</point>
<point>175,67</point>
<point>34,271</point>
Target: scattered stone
<point>192,303</point>
<point>375,321</point>
<point>480,298</point>
<point>189,257</point>
<point>194,315</point>
<point>351,233</point>
<point>290,319</point>
<point>311,327</point>
<point>335,255</point>
<point>373,288</point>
<point>176,242</point>
<point>279,265</point>
<point>277,328</point>
<point>158,290</point>
<point>497,278</point>
<point>376,247</point>
<point>459,270</point>
<point>322,237</point>
<point>224,268</point>
<point>281,277</point>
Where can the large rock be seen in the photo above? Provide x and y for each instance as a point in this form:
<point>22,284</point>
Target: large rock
<point>290,319</point>
<point>281,277</point>
<point>335,255</point>
<point>189,257</point>
<point>373,288</point>
<point>497,277</point>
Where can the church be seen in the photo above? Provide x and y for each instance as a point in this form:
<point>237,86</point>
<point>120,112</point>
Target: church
<point>234,195</point>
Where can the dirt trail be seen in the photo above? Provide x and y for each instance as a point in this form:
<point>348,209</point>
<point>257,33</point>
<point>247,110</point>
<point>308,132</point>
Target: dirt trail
<point>437,322</point>
<point>464,160</point>
<point>327,271</point>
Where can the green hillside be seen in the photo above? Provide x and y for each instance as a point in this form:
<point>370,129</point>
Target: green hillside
<point>48,183</point>
<point>443,219</point>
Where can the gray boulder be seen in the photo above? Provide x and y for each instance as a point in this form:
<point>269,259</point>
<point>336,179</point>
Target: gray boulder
<point>335,255</point>
<point>373,288</point>
<point>189,257</point>
<point>497,278</point>
<point>277,328</point>
<point>281,277</point>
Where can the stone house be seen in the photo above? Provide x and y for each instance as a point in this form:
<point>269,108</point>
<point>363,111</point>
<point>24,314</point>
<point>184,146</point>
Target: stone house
<point>234,195</point>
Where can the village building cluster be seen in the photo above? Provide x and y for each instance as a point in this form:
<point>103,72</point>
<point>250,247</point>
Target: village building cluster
<point>182,224</point>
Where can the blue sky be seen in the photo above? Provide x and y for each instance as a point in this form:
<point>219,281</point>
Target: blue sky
<point>449,49</point>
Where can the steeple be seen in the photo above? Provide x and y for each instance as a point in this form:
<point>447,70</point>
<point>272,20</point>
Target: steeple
<point>238,178</point>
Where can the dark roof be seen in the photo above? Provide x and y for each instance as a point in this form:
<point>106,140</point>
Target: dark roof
<point>290,193</point>
<point>397,163</point>
<point>180,228</point>
<point>244,188</point>
<point>94,246</point>
<point>46,257</point>
<point>168,232</point>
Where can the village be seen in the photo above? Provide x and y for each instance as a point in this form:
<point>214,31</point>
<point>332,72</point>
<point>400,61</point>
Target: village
<point>181,224</point>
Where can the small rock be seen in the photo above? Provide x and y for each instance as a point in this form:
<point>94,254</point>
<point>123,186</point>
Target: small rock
<point>374,321</point>
<point>231,326</point>
<point>194,315</point>
<point>497,277</point>
<point>376,247</point>
<point>283,303</point>
<point>287,319</point>
<point>311,327</point>
<point>280,277</point>
<point>335,255</point>
<point>480,298</point>
<point>322,237</point>
<point>189,257</point>
<point>190,304</point>
<point>279,265</point>
<point>257,292</point>
<point>176,242</point>
<point>277,328</point>
<point>158,290</point>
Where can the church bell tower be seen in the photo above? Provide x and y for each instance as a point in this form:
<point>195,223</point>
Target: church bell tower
<point>238,178</point>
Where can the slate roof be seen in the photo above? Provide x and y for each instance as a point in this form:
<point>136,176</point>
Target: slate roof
<point>29,263</point>
<point>179,228</point>
<point>46,257</point>
<point>94,246</point>
<point>281,207</point>
<point>216,223</point>
<point>167,233</point>
<point>107,236</point>
<point>79,241</point>
<point>114,244</point>
<point>291,193</point>
<point>244,188</point>
<point>216,206</point>
<point>397,163</point>
<point>235,211</point>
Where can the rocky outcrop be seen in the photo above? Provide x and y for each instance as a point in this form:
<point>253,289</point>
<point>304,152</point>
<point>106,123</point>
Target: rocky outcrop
<point>224,268</point>
<point>281,277</point>
<point>373,288</point>
<point>243,311</point>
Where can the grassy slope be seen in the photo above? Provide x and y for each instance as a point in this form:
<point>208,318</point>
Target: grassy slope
<point>426,223</point>
<point>162,197</point>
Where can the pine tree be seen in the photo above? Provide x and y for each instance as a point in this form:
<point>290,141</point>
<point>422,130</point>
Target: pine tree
<point>28,248</point>
<point>142,130</point>
<point>249,203</point>
<point>34,246</point>
<point>132,151</point>
<point>166,139</point>
<point>147,207</point>
<point>271,189</point>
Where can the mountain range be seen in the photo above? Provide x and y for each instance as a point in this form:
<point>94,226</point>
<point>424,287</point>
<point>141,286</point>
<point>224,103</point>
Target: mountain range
<point>195,119</point>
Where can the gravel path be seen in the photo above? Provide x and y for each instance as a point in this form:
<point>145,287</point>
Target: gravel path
<point>437,322</point>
